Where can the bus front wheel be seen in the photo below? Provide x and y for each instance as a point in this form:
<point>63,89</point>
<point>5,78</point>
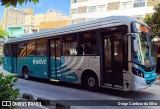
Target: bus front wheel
<point>26,73</point>
<point>91,82</point>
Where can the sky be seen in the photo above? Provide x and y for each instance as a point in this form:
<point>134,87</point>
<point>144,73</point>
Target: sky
<point>44,5</point>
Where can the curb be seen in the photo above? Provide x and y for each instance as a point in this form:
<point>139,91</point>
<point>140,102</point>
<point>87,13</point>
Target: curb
<point>45,102</point>
<point>27,96</point>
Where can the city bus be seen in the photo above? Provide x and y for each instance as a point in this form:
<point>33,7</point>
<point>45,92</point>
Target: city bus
<point>113,52</point>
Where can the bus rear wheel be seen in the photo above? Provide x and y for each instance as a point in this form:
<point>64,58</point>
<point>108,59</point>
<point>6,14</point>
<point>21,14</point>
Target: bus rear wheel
<point>26,73</point>
<point>91,82</point>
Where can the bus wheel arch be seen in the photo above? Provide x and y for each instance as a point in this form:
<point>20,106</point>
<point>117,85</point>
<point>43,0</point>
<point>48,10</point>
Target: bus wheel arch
<point>89,80</point>
<point>25,72</point>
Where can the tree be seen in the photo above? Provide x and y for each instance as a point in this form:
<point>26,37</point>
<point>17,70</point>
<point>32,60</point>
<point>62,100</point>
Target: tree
<point>154,21</point>
<point>7,90</point>
<point>3,33</point>
<point>7,3</point>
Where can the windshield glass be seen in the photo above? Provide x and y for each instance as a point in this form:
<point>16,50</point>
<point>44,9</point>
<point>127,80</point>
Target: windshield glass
<point>144,46</point>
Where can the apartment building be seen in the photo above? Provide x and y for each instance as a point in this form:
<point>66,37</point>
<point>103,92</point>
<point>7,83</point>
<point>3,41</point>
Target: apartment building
<point>85,10</point>
<point>51,19</point>
<point>53,24</point>
<point>15,17</point>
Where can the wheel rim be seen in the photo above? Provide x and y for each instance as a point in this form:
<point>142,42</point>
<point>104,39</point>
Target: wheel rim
<point>91,82</point>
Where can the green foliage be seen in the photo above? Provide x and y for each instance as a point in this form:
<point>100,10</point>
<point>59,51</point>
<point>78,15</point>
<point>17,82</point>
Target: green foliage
<point>7,92</point>
<point>154,21</point>
<point>7,3</point>
<point>0,61</point>
<point>148,20</point>
<point>3,33</point>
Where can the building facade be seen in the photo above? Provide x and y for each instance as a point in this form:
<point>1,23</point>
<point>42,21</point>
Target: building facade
<point>53,24</point>
<point>51,19</point>
<point>85,10</point>
<point>15,17</point>
<point>15,31</point>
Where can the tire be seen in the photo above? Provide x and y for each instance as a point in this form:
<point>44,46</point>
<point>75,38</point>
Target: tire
<point>26,73</point>
<point>91,82</point>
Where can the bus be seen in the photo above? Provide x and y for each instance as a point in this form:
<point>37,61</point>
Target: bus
<point>113,52</point>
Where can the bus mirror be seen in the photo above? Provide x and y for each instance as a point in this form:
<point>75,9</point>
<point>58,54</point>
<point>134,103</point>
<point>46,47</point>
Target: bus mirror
<point>135,45</point>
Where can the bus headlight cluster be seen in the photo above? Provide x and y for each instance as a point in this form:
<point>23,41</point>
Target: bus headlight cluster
<point>147,75</point>
<point>153,74</point>
<point>137,72</point>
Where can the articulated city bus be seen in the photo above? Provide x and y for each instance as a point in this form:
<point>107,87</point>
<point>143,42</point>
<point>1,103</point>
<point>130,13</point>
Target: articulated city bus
<point>114,52</point>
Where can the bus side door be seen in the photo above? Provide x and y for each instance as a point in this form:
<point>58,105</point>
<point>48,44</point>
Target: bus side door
<point>113,69</point>
<point>14,58</point>
<point>55,62</point>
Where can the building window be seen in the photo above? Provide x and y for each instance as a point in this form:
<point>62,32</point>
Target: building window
<point>91,8</point>
<point>82,0</point>
<point>101,8</point>
<point>41,47</point>
<point>113,6</point>
<point>126,5</point>
<point>139,3</point>
<point>22,49</point>
<point>89,19</point>
<point>81,20</point>
<point>74,11</point>
<point>31,48</point>
<point>69,45</point>
<point>74,21</point>
<point>82,9</point>
<point>74,1</point>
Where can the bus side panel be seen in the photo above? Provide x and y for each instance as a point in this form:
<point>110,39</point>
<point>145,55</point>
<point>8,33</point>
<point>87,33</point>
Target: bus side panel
<point>55,64</point>
<point>37,66</point>
<point>21,61</point>
<point>7,64</point>
<point>53,70</point>
<point>73,66</point>
<point>69,68</point>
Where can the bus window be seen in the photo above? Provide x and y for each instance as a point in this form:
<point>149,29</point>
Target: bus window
<point>158,50</point>
<point>22,49</point>
<point>88,42</point>
<point>7,50</point>
<point>69,45</point>
<point>31,48</point>
<point>41,47</point>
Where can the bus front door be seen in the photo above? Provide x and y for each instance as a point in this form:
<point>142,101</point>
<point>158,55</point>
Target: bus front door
<point>55,59</point>
<point>14,58</point>
<point>113,69</point>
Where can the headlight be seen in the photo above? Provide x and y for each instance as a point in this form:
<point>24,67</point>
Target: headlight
<point>147,75</point>
<point>153,74</point>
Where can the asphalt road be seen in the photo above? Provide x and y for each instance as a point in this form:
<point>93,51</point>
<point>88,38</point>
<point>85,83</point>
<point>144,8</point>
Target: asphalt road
<point>65,91</point>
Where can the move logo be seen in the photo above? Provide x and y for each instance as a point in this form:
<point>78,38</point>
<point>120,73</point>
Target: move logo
<point>39,61</point>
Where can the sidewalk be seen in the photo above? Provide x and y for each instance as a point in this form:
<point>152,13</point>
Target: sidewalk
<point>158,79</point>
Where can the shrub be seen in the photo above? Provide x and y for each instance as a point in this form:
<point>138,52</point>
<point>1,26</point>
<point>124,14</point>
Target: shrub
<point>0,61</point>
<point>7,90</point>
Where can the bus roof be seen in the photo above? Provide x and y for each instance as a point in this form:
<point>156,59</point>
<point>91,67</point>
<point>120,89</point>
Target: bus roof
<point>85,26</point>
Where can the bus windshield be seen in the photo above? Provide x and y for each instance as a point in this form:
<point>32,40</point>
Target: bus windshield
<point>143,47</point>
<point>144,53</point>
